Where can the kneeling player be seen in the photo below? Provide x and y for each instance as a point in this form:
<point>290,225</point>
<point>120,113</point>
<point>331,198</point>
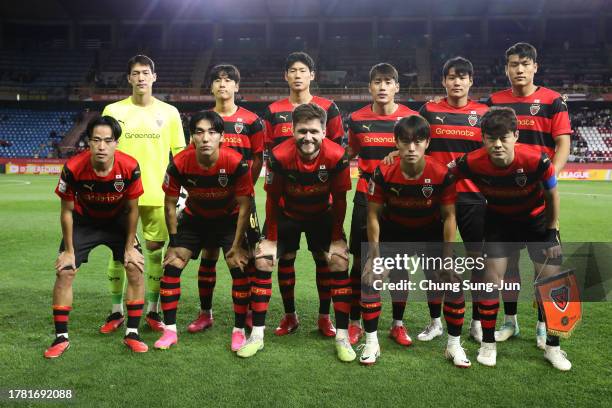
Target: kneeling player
<point>99,189</point>
<point>519,184</point>
<point>219,187</point>
<point>414,198</point>
<point>303,172</point>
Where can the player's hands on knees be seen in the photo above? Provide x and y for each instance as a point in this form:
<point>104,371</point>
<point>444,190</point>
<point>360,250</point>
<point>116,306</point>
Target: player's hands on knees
<point>134,257</point>
<point>388,160</point>
<point>368,276</point>
<point>266,249</point>
<point>338,248</point>
<point>65,260</point>
<point>237,257</point>
<point>171,256</point>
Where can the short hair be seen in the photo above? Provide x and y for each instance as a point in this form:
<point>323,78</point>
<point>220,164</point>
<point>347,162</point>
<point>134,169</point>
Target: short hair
<point>302,57</point>
<point>213,117</point>
<point>384,70</point>
<point>104,121</point>
<point>228,70</point>
<point>461,65</point>
<point>411,128</point>
<point>523,50</point>
<point>499,121</point>
<point>309,111</point>
<point>142,60</point>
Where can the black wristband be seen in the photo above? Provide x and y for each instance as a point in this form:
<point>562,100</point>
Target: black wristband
<point>173,241</point>
<point>552,236</point>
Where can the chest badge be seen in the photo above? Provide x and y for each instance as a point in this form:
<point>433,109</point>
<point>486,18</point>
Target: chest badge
<point>239,126</point>
<point>323,174</point>
<point>520,178</point>
<point>473,118</point>
<point>223,179</point>
<point>535,107</point>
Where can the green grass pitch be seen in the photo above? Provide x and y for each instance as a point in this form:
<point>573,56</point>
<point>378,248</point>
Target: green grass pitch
<point>296,370</point>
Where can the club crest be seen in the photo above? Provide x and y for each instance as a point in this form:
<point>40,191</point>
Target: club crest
<point>535,107</point>
<point>119,185</point>
<point>323,174</point>
<point>159,121</point>
<point>473,118</point>
<point>239,126</point>
<point>223,179</point>
<point>427,191</point>
<point>520,178</point>
<point>560,297</point>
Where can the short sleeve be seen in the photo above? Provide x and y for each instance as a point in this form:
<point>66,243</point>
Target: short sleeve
<point>65,185</point>
<point>172,185</point>
<point>135,189</point>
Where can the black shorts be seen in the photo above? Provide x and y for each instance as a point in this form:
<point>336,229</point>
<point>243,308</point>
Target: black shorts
<point>253,232</point>
<point>194,233</point>
<point>86,236</point>
<point>471,220</point>
<point>504,236</point>
<point>359,228</point>
<point>318,233</point>
<point>420,241</point>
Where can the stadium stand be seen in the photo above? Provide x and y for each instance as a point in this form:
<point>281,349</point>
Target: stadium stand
<point>57,68</point>
<point>592,141</point>
<point>33,133</point>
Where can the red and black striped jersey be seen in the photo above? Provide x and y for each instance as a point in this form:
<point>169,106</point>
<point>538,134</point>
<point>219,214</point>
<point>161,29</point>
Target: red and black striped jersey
<point>305,187</point>
<point>542,116</point>
<point>412,203</point>
<point>515,191</point>
<point>371,137</point>
<point>95,197</point>
<point>455,132</point>
<point>245,133</point>
<point>278,120</point>
<point>211,192</point>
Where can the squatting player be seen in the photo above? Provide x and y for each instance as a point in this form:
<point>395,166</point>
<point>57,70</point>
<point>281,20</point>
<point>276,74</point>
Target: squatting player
<point>412,200</point>
<point>299,72</point>
<point>455,130</point>
<point>520,186</point>
<point>99,189</point>
<point>219,186</point>
<point>304,171</point>
<point>243,132</point>
<point>151,130</point>
<point>370,133</point>
<point>543,122</point>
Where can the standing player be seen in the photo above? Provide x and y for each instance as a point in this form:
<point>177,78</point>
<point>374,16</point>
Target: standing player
<point>99,189</point>
<point>243,132</point>
<point>543,122</point>
<point>370,132</point>
<point>455,130</point>
<point>414,199</point>
<point>152,129</point>
<point>219,187</point>
<point>299,72</point>
<point>520,186</point>
<point>304,171</point>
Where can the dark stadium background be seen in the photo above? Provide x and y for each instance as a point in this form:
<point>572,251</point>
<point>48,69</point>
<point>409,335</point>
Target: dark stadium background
<point>62,61</point>
<point>59,58</point>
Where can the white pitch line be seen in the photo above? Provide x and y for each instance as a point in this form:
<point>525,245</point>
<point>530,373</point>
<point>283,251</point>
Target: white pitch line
<point>18,182</point>
<point>585,194</point>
